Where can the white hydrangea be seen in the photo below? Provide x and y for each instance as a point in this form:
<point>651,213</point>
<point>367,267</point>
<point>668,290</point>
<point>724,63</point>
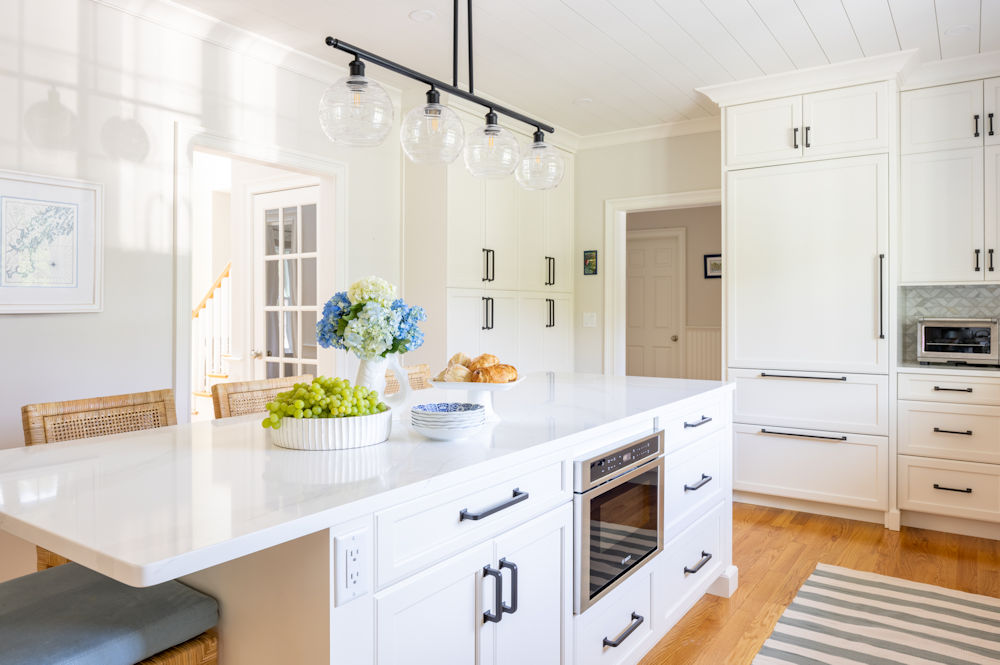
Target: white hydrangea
<point>372,289</point>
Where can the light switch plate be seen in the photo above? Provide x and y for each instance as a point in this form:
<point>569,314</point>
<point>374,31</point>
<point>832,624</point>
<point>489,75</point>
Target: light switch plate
<point>590,319</point>
<point>352,561</point>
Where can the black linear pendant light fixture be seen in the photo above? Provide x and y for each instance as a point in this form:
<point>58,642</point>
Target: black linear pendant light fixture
<point>357,111</point>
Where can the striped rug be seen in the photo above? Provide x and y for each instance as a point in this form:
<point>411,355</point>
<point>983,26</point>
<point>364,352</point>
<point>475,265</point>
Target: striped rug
<point>842,616</point>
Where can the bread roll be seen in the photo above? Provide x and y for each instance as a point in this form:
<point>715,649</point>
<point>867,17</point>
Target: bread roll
<point>495,374</point>
<point>460,358</point>
<point>484,360</point>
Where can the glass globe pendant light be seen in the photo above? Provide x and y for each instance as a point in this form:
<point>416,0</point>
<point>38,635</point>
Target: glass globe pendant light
<point>491,151</point>
<point>432,133</point>
<point>542,166</point>
<point>356,111</point>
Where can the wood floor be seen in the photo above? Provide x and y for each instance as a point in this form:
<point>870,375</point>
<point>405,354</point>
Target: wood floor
<point>776,551</point>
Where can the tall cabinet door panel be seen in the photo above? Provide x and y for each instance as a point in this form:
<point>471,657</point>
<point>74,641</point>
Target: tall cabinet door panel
<point>531,214</point>
<point>804,273</point>
<point>500,338</point>
<point>501,233</point>
<point>991,262</point>
<point>466,221</point>
<point>764,131</point>
<point>466,318</point>
<point>942,118</point>
<point>559,231</point>
<point>559,337</point>
<point>845,120</point>
<point>532,314</point>
<point>991,108</point>
<point>942,211</point>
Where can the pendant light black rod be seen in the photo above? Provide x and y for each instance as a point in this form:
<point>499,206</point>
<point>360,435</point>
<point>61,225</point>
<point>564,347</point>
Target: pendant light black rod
<point>431,81</point>
<point>454,44</point>
<point>468,13</point>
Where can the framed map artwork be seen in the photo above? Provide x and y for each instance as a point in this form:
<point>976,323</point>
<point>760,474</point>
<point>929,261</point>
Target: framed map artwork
<point>50,244</point>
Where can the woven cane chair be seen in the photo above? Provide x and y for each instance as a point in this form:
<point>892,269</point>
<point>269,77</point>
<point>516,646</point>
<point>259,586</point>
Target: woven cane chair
<point>238,398</point>
<point>87,418</point>
<point>419,377</point>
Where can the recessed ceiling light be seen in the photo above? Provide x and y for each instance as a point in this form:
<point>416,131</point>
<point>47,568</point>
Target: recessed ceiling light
<point>958,29</point>
<point>422,15</point>
<point>582,101</point>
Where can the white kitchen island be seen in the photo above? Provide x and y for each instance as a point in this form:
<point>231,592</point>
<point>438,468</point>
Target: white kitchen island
<point>269,531</point>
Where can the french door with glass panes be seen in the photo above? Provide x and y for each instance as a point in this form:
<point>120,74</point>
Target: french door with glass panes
<point>286,303</point>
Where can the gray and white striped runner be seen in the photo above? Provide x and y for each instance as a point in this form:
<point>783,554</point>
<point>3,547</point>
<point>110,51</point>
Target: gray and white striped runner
<point>842,616</point>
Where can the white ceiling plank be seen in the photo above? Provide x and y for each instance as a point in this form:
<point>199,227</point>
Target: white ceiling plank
<point>989,26</point>
<point>704,28</point>
<point>958,27</point>
<point>742,22</point>
<point>916,27</point>
<point>829,22</point>
<point>784,20</point>
<point>872,23</point>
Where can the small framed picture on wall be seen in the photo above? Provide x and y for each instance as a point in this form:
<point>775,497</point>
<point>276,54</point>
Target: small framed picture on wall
<point>713,266</point>
<point>590,262</point>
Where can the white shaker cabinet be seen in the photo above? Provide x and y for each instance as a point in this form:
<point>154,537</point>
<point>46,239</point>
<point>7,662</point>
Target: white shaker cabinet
<point>807,273</point>
<point>764,131</point>
<point>545,221</point>
<point>501,233</point>
<point>545,332</point>
<point>483,322</point>
<point>466,233</point>
<point>941,197</point>
<point>944,117</point>
<point>991,210</point>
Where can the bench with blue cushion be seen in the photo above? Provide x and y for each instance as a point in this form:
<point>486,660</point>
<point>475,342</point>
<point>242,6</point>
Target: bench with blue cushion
<point>70,615</point>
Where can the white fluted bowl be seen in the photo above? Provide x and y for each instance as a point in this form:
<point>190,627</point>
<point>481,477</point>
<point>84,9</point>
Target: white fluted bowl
<point>333,433</point>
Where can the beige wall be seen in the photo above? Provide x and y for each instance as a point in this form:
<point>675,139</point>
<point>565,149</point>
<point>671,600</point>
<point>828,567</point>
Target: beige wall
<point>669,165</point>
<point>703,235</point>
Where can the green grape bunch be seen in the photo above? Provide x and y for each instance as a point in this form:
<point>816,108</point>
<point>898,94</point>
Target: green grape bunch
<point>323,398</point>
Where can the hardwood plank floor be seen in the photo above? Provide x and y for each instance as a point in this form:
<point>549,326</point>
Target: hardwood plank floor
<point>776,550</point>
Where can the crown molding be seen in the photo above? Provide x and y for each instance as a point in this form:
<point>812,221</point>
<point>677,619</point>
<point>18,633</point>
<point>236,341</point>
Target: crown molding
<point>891,66</point>
<point>953,70</point>
<point>651,133</point>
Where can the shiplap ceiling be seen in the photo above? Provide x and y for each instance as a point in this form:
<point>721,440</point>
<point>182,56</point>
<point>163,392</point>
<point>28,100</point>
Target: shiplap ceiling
<point>596,66</point>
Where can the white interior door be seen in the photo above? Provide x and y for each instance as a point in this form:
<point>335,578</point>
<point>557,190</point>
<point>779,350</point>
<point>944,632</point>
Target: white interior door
<point>655,303</point>
<point>286,303</point>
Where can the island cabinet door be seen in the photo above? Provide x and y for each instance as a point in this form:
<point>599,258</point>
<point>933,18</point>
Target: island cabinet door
<point>536,560</point>
<point>437,616</point>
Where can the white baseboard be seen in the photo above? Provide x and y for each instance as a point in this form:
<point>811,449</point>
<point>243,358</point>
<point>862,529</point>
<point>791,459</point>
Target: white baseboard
<point>726,583</point>
<point>957,525</point>
<point>815,507</point>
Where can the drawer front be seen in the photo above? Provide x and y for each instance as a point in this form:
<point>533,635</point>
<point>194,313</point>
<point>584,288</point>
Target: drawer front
<point>950,431</point>
<point>944,487</point>
<point>954,389</point>
<point>690,561</point>
<point>419,533</point>
<point>695,422</point>
<point>857,403</point>
<point>610,618</point>
<point>843,469</point>
<point>693,479</point>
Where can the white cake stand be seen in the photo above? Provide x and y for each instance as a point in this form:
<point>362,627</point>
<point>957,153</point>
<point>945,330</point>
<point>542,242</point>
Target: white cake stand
<point>479,393</point>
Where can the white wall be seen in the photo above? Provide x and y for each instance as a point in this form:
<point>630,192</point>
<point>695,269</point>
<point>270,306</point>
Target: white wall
<point>675,164</point>
<point>209,223</point>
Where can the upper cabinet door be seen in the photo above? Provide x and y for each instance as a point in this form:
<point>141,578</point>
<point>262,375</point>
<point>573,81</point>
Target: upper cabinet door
<point>991,260</point>
<point>944,117</point>
<point>941,195</point>
<point>559,232</point>
<point>466,221</point>
<point>761,132</point>
<point>531,214</point>
<point>846,120</point>
<point>991,109</point>
<point>501,233</point>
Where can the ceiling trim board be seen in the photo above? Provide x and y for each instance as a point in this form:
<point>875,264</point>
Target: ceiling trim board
<point>697,126</point>
<point>853,72</point>
<point>953,70</point>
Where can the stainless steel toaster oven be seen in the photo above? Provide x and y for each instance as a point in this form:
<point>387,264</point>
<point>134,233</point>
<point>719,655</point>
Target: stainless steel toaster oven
<point>965,341</point>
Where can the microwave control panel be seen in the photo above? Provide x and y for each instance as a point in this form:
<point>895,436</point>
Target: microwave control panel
<point>628,456</point>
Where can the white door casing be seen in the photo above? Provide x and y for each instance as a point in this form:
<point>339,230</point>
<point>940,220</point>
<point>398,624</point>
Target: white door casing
<point>655,296</point>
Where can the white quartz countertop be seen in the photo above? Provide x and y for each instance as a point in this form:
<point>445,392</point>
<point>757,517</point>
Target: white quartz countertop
<point>151,506</point>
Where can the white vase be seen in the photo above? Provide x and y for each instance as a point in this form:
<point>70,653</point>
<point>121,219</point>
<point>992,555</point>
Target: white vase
<point>371,374</point>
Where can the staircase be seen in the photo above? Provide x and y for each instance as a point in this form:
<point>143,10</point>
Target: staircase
<point>212,323</point>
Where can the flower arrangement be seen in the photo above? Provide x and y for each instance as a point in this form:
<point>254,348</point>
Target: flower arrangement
<point>369,321</point>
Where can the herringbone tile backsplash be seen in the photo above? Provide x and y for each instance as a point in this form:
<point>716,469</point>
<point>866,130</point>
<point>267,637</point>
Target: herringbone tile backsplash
<point>957,301</point>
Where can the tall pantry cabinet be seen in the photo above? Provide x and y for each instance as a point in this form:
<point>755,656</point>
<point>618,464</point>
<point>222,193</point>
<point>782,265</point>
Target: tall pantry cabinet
<point>807,206</point>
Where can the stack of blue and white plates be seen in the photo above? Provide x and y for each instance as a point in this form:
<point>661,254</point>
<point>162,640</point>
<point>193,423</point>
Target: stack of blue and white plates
<point>447,420</point>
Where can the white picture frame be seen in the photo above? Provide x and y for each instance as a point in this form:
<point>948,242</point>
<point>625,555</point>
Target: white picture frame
<point>51,244</point>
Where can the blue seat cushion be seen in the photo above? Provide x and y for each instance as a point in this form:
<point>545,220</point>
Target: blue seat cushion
<point>70,615</point>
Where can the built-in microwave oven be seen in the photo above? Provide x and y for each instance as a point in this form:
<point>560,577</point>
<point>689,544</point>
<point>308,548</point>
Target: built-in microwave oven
<point>965,341</point>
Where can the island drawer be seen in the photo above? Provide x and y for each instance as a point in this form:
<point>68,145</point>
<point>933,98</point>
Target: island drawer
<point>695,421</point>
<point>945,487</point>
<point>857,403</point>
<point>831,467</point>
<point>951,388</point>
<point>626,608</point>
<point>689,563</point>
<point>418,533</point>
<point>950,431</point>
<point>694,478</point>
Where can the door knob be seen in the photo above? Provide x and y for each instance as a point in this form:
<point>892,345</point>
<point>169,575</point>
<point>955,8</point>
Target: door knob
<point>673,338</point>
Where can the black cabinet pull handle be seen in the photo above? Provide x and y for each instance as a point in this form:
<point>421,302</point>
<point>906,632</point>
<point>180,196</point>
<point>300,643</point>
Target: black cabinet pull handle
<point>492,312</point>
<point>486,314</point>
<point>952,390</point>
<point>551,313</point>
<point>549,271</point>
<point>977,260</point>
<point>990,252</point>
<point>967,432</point>
<point>967,490</point>
<point>795,137</point>
<point>493,265</point>
<point>976,120</point>
<point>553,272</point>
<point>804,436</point>
<point>517,497</point>
<point>510,609</point>
<point>705,479</point>
<point>990,116</point>
<point>705,558</point>
<point>617,642</point>
<point>486,265</point>
<point>881,328</point>
<point>552,307</point>
<point>497,613</point>
<point>765,375</point>
<point>806,133</point>
<point>704,421</point>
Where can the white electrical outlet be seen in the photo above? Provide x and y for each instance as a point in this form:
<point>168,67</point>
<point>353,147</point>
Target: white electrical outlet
<point>590,319</point>
<point>351,553</point>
